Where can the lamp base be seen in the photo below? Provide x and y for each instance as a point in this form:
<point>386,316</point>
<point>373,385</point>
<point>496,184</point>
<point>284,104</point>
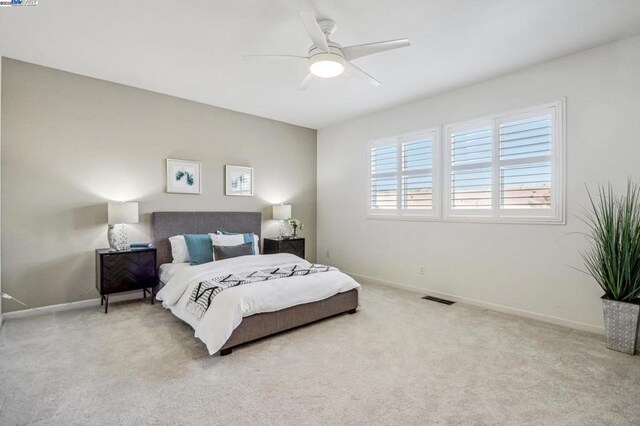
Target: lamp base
<point>281,230</point>
<point>111,237</point>
<point>117,243</point>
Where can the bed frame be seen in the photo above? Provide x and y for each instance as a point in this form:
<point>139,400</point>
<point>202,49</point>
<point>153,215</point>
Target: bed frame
<point>168,224</point>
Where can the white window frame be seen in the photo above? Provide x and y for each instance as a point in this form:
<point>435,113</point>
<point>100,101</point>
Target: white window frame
<point>555,215</point>
<point>405,214</point>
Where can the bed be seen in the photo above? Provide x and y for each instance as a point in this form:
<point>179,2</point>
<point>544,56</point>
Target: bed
<point>251,311</point>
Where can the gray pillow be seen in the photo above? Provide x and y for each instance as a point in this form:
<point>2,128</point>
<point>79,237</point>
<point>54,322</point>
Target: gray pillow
<point>227,252</point>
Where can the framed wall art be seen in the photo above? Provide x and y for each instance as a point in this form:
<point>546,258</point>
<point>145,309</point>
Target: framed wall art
<point>183,176</point>
<point>239,180</point>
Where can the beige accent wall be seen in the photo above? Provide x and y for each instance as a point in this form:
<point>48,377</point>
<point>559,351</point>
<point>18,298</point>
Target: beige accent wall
<point>70,144</point>
<point>522,269</point>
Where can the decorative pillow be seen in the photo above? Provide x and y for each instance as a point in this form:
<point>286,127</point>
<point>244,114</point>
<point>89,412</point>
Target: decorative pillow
<point>200,249</point>
<point>179,250</point>
<point>246,238</point>
<point>227,252</point>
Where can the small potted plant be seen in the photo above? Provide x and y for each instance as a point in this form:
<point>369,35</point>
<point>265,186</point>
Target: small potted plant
<point>613,259</point>
<point>295,224</point>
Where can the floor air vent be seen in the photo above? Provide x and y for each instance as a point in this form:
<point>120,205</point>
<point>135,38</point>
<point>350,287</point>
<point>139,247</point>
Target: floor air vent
<point>437,299</point>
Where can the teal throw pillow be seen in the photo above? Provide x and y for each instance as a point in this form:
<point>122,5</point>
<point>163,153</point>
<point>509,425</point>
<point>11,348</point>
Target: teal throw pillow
<point>200,248</point>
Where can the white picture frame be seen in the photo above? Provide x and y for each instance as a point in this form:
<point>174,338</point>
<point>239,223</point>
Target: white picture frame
<point>238,181</point>
<point>183,177</point>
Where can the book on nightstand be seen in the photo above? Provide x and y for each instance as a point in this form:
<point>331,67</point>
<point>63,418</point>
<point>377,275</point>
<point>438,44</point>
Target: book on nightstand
<point>141,245</point>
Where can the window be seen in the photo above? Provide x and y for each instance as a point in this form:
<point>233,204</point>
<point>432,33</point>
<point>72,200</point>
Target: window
<point>507,168</point>
<point>403,176</point>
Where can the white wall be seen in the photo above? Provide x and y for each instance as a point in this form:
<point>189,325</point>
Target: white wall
<point>1,318</point>
<point>70,144</point>
<point>525,269</point>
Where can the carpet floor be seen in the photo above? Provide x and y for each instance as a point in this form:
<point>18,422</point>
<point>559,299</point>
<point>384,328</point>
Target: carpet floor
<point>399,360</point>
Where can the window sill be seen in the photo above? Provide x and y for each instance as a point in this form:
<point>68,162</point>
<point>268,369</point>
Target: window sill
<point>403,218</point>
<point>508,220</point>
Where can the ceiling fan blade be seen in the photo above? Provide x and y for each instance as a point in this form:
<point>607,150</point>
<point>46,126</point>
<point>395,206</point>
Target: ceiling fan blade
<point>355,71</point>
<point>354,52</point>
<point>315,32</point>
<point>274,56</point>
<point>305,82</point>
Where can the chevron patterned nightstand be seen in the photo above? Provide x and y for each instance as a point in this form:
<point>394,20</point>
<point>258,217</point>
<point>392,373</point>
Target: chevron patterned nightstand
<point>127,270</point>
<point>284,245</point>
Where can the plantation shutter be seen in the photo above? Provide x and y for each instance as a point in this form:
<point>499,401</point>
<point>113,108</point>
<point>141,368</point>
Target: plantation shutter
<point>525,162</point>
<point>401,172</point>
<point>508,167</point>
<point>384,177</point>
<point>471,168</point>
<point>417,174</point>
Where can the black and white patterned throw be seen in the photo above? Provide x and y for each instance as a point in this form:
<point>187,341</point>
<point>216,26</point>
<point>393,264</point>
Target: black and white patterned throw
<point>205,291</point>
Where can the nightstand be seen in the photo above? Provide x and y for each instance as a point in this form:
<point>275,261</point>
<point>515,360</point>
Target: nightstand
<point>126,270</point>
<point>284,245</point>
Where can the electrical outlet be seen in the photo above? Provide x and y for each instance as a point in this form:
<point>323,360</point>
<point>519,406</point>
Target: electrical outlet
<point>327,254</point>
<point>421,270</point>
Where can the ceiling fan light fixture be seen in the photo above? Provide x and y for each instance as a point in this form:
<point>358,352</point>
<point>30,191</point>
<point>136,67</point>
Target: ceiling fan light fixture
<point>326,65</point>
<point>328,59</point>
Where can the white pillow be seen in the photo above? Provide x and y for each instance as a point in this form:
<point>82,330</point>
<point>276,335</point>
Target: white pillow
<point>234,240</point>
<point>179,250</point>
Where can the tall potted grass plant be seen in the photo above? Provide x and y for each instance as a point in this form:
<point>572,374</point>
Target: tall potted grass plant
<point>613,259</point>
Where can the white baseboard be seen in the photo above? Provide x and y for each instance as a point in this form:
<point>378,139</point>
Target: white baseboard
<point>484,304</point>
<point>71,305</point>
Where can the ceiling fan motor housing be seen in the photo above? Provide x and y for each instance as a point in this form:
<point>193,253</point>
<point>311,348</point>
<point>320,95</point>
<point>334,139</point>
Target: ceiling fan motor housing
<point>334,48</point>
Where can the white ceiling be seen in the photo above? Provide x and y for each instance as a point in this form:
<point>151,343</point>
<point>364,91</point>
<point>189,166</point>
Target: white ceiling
<point>194,49</point>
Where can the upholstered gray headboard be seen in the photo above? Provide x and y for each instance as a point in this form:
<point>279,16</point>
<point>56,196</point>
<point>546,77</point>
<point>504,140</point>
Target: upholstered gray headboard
<point>168,224</point>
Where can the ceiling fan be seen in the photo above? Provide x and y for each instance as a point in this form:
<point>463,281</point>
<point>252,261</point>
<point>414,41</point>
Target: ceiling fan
<point>328,59</point>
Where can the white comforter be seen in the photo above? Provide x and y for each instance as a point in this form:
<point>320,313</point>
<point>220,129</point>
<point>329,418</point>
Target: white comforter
<point>231,305</point>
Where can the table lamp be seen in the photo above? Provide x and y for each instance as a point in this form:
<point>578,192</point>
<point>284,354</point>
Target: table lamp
<point>281,212</point>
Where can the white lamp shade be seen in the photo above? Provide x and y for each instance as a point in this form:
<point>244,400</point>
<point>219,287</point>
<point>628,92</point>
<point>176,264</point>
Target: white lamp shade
<point>281,211</point>
<point>122,213</point>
